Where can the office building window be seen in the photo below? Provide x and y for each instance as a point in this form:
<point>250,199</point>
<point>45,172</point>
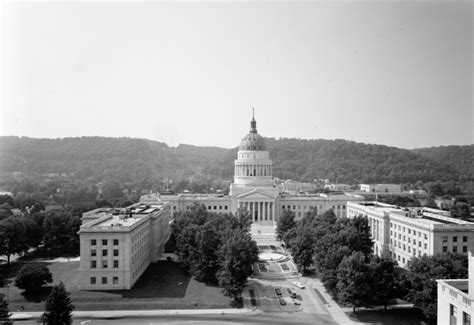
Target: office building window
<point>93,242</point>
<point>104,280</point>
<point>464,239</point>
<point>466,319</point>
<point>455,249</point>
<point>455,239</point>
<point>104,252</point>
<point>104,264</point>
<point>116,264</point>
<point>426,246</point>
<point>116,252</point>
<point>209,207</point>
<point>445,239</point>
<point>452,314</point>
<point>116,242</point>
<point>93,264</point>
<point>445,249</point>
<point>93,280</point>
<point>93,252</point>
<point>115,280</point>
<point>104,242</point>
<point>464,249</point>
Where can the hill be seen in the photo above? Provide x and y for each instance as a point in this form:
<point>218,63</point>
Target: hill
<point>346,162</point>
<point>461,158</point>
<point>126,160</point>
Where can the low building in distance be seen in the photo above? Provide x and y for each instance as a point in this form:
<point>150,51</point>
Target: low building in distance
<point>456,297</point>
<point>403,233</point>
<point>381,188</point>
<point>117,245</point>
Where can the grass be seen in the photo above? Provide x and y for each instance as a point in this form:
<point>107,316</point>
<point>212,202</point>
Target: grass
<point>396,316</point>
<point>164,285</point>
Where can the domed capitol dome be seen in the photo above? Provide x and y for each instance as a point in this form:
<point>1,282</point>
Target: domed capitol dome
<point>252,141</point>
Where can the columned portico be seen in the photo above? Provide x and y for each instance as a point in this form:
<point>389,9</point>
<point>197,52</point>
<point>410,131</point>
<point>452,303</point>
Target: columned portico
<point>259,204</point>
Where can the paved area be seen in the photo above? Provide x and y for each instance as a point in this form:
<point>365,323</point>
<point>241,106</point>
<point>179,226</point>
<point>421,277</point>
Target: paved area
<point>313,300</point>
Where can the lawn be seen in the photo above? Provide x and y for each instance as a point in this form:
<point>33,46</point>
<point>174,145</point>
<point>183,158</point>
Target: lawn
<point>396,316</point>
<point>164,285</point>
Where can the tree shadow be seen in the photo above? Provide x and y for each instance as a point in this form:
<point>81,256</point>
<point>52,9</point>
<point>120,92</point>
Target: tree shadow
<point>37,295</point>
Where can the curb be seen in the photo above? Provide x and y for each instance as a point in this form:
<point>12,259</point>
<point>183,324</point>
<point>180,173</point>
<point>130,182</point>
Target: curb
<point>116,314</point>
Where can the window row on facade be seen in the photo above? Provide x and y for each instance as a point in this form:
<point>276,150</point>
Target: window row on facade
<point>105,252</point>
<point>105,242</point>
<point>105,264</point>
<point>104,280</point>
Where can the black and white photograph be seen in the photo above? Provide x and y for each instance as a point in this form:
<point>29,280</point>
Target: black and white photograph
<point>237,162</point>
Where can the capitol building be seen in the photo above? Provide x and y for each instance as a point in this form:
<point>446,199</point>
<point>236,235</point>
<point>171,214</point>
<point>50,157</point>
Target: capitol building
<point>255,190</point>
<point>117,245</point>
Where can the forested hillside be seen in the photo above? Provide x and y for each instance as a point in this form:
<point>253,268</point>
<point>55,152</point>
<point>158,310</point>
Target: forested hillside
<point>78,165</point>
<point>460,158</point>
<point>345,162</point>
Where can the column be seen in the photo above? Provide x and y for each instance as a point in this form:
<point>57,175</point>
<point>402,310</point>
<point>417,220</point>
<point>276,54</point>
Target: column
<point>266,210</point>
<point>252,213</point>
<point>272,211</point>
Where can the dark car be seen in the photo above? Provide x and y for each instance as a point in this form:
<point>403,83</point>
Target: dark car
<point>278,291</point>
<point>291,292</point>
<point>282,301</point>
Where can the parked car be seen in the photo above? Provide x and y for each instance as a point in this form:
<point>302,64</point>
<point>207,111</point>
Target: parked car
<point>278,291</point>
<point>297,302</point>
<point>299,285</point>
<point>291,292</point>
<point>282,301</point>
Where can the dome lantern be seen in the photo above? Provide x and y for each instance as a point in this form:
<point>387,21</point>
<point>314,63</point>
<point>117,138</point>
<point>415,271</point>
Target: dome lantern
<point>252,141</point>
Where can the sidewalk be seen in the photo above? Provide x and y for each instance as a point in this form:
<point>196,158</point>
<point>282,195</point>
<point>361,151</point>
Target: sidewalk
<point>336,312</point>
<point>110,314</point>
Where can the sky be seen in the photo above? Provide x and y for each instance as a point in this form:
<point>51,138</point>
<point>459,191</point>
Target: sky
<point>385,72</point>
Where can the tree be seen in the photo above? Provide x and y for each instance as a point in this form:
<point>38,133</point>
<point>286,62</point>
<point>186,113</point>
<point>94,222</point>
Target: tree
<point>4,312</point>
<point>60,229</point>
<point>302,247</point>
<point>285,223</point>
<point>58,307</point>
<point>461,210</point>
<point>12,237</point>
<point>32,277</point>
<point>354,278</point>
<point>430,202</point>
<point>206,264</point>
<point>385,280</point>
<point>422,276</point>
<point>237,255</point>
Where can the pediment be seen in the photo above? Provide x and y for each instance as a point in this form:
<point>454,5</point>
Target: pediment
<point>256,194</point>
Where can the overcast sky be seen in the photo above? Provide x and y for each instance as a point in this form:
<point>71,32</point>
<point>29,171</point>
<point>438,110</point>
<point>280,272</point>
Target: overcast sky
<point>394,73</point>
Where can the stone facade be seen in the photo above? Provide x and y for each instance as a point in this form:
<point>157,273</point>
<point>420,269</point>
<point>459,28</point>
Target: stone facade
<point>403,233</point>
<point>117,245</point>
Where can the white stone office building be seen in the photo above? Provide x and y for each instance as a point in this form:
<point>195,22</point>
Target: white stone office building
<point>456,297</point>
<point>117,245</point>
<point>254,189</point>
<point>403,233</point>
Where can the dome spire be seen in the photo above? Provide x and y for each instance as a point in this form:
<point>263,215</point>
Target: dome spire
<point>253,123</point>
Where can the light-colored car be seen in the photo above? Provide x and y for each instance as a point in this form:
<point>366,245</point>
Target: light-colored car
<point>299,285</point>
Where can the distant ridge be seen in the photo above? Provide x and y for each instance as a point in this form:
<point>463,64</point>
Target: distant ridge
<point>128,159</point>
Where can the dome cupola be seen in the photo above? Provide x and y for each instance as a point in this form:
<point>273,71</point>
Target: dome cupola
<point>252,141</point>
